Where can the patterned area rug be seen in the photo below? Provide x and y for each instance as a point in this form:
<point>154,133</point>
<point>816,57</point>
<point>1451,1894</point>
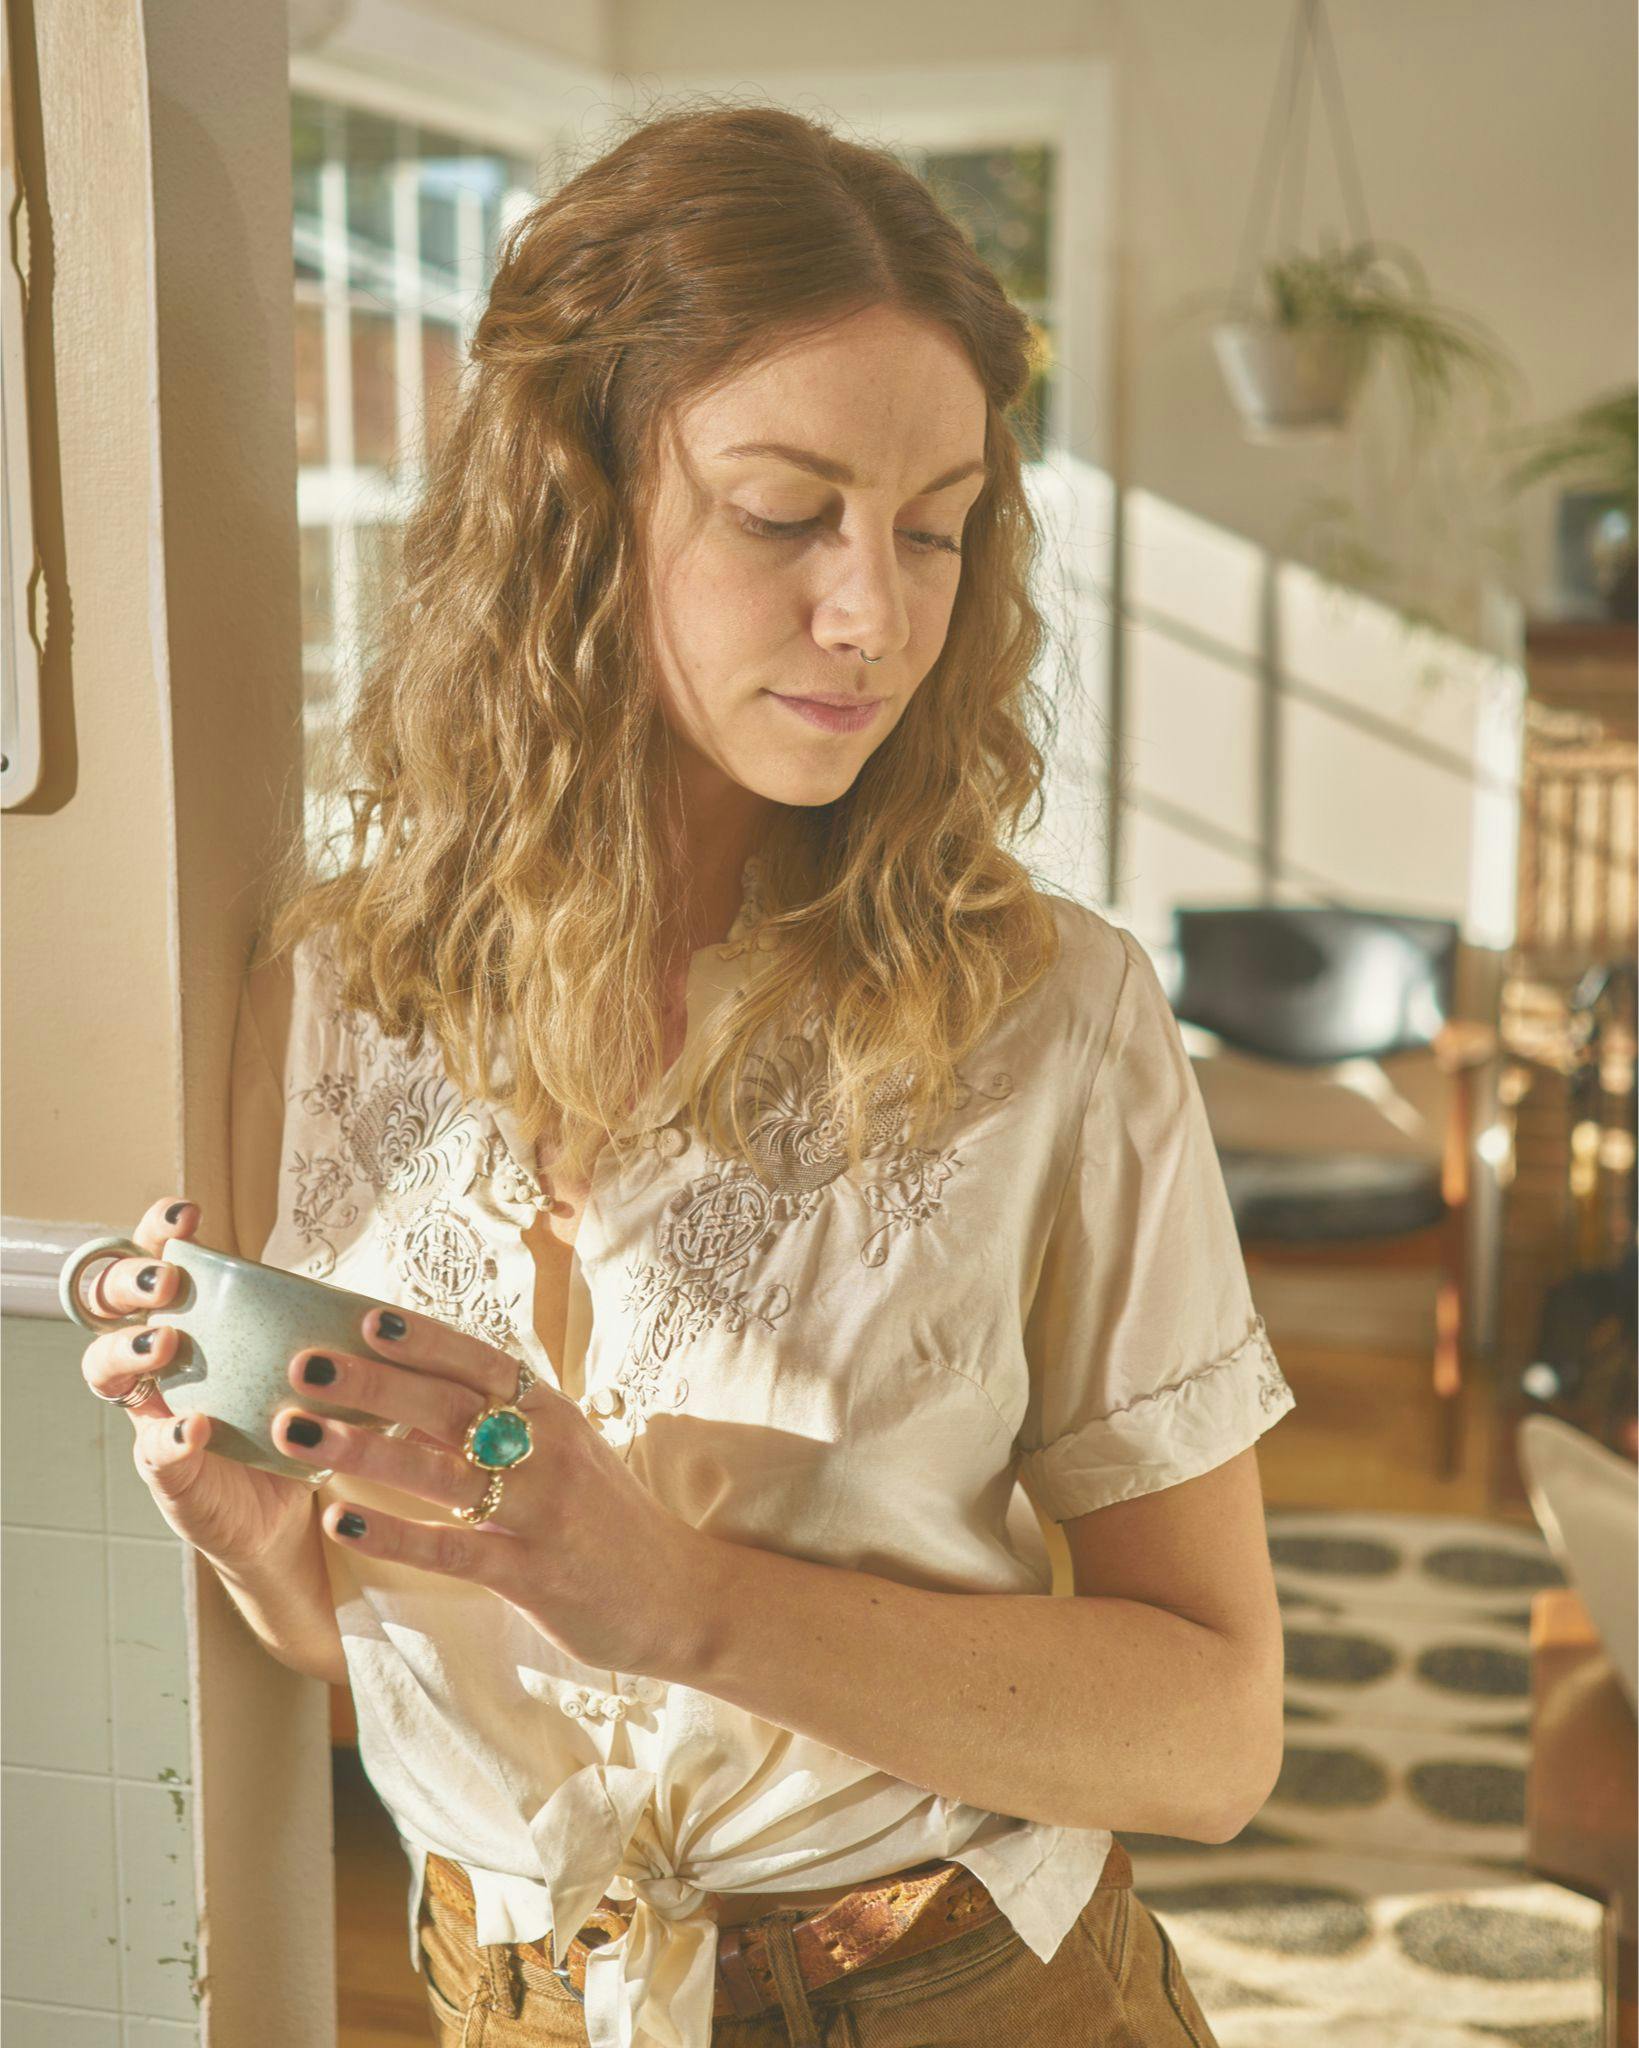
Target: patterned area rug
<point>1381,1899</point>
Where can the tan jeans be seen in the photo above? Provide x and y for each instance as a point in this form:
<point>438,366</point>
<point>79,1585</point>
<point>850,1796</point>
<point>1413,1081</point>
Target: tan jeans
<point>1114,1982</point>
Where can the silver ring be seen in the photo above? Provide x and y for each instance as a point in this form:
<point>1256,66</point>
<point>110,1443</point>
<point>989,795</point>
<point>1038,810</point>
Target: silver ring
<point>134,1399</point>
<point>134,1396</point>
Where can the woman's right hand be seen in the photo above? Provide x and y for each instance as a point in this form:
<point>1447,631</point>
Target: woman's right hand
<point>234,1514</point>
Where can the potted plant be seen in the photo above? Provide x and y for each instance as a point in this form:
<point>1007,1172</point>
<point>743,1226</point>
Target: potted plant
<point>1597,446</point>
<point>1294,358</point>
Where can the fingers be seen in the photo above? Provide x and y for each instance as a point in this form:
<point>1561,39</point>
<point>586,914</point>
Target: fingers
<point>167,1462</point>
<point>441,1476</point>
<point>404,1338</point>
<point>438,1411</point>
<point>168,1217</point>
<point>113,1363</point>
<point>122,1287</point>
<point>133,1286</point>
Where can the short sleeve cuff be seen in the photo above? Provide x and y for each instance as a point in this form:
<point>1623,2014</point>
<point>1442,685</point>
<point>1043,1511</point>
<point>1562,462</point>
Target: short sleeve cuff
<point>1176,1433</point>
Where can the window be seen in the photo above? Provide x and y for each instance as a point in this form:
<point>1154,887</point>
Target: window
<point>1004,198</point>
<point>395,230</point>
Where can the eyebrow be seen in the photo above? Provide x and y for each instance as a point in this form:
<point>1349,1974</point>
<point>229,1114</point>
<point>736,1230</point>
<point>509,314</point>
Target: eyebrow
<point>835,472</point>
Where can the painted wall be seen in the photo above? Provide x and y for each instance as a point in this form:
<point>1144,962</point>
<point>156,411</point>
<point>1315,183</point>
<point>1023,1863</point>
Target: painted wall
<point>1496,138</point>
<point>167,1792</point>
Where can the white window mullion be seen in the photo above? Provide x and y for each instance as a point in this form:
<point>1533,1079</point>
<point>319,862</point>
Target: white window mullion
<point>469,260</point>
<point>338,378</point>
<point>408,295</point>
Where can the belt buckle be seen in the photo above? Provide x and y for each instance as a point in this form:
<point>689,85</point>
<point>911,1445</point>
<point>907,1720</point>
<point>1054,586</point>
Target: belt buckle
<point>612,1924</point>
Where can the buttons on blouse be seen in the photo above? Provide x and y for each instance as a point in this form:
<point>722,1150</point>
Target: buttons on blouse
<point>584,1702</point>
<point>605,1401</point>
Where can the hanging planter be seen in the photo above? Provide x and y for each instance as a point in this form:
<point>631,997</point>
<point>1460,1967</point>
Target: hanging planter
<point>1295,368</point>
<point>1294,355</point>
<point>1288,381</point>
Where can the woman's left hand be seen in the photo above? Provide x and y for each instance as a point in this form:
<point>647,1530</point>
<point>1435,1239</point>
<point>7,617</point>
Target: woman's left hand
<point>578,1545</point>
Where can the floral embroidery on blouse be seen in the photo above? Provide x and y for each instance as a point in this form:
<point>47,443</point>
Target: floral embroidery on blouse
<point>451,1273</point>
<point>713,1229</point>
<point>1273,1386</point>
<point>405,1131</point>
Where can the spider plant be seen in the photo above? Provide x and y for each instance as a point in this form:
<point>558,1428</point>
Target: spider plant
<point>1294,353</point>
<point>1598,444</point>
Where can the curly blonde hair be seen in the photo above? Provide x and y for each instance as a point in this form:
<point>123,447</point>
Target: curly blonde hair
<point>507,746</point>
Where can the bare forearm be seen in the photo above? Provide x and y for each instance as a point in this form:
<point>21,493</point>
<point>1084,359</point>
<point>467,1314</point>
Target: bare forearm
<point>285,1597</point>
<point>1081,1712</point>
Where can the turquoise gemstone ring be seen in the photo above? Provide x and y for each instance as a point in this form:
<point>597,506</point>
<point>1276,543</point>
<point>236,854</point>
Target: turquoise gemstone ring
<point>496,1440</point>
<point>500,1437</point>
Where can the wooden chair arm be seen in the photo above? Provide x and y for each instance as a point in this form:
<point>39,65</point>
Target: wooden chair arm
<point>1464,1042</point>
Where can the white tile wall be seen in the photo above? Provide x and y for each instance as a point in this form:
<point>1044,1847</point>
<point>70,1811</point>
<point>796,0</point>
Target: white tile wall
<point>161,1953</point>
<point>59,1937</point>
<point>98,1939</point>
<point>59,2026</point>
<point>56,1698</point>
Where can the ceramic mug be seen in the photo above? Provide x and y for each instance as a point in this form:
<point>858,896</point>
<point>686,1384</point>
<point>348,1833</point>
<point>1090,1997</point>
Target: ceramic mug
<point>241,1324</point>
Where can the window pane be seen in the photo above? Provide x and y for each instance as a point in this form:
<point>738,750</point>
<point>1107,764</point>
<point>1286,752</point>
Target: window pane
<point>439,241</point>
<point>318,593</point>
<point>307,152</point>
<point>378,548</point>
<point>440,368</point>
<point>310,406</point>
<point>370,147</point>
<point>394,227</point>
<point>375,393</point>
<point>1004,199</point>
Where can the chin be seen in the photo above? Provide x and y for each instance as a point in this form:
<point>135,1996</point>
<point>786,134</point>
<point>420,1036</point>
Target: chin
<point>803,791</point>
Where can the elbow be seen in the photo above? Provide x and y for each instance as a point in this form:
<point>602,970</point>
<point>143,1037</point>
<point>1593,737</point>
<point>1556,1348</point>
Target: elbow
<point>1252,1803</point>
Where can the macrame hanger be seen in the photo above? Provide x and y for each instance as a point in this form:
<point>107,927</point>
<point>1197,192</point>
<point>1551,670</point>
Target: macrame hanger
<point>1309,29</point>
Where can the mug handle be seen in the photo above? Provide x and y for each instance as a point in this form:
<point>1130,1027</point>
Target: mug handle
<point>68,1282</point>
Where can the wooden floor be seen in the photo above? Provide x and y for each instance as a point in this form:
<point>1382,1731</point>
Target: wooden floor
<point>1361,1436</point>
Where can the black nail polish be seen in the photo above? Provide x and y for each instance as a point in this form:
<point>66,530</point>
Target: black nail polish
<point>302,1430</point>
<point>143,1341</point>
<point>148,1279</point>
<point>318,1372</point>
<point>174,1213</point>
<point>177,1432</point>
<point>350,1525</point>
<point>389,1325</point>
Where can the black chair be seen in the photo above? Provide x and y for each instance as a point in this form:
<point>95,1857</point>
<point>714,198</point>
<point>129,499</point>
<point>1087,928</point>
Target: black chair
<point>1308,987</point>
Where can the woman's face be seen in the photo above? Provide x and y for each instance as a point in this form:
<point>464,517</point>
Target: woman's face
<point>892,418</point>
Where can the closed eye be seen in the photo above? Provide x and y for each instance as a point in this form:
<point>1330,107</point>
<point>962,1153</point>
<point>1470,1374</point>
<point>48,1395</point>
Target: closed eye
<point>770,529</point>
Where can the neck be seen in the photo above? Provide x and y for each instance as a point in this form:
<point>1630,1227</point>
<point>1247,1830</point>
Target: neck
<point>724,823</point>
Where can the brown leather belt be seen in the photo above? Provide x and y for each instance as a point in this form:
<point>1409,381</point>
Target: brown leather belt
<point>875,1923</point>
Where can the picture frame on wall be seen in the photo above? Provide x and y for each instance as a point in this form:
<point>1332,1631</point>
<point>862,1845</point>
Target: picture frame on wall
<point>22,598</point>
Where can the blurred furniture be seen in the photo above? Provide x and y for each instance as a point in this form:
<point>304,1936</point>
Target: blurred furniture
<point>1566,1088</point>
<point>1358,999</point>
<point>1580,1787</point>
<point>1585,1498</point>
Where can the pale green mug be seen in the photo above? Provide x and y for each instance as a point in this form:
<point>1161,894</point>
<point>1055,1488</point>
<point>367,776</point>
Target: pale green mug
<point>241,1324</point>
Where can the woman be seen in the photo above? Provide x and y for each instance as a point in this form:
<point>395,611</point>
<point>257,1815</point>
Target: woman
<point>769,1176</point>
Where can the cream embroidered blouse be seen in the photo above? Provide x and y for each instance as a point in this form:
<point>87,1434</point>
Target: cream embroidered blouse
<point>855,1370</point>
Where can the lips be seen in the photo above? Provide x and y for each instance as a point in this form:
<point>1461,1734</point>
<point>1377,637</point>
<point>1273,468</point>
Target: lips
<point>853,714</point>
